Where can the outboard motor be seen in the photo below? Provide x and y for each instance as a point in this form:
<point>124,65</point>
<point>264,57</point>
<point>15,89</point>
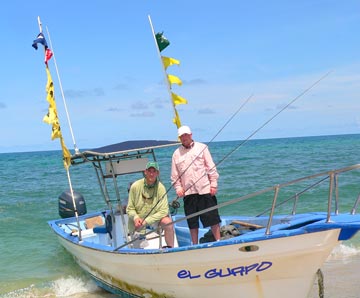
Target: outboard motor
<point>66,206</point>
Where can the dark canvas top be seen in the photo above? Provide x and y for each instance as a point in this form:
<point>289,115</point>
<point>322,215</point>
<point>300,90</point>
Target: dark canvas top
<point>123,148</point>
<point>133,146</point>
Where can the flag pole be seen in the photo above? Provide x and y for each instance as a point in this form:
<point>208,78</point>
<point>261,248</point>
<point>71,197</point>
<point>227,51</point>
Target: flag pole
<point>74,203</point>
<point>61,140</point>
<point>66,163</point>
<point>163,68</point>
<point>40,25</point>
<point>62,94</point>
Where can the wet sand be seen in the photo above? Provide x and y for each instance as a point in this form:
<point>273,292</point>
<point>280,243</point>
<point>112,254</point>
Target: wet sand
<point>341,279</point>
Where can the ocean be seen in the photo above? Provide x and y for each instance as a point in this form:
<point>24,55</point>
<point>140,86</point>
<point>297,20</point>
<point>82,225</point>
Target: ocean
<point>33,264</point>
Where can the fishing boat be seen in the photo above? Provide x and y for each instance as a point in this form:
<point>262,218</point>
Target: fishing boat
<point>275,253</point>
<point>270,254</point>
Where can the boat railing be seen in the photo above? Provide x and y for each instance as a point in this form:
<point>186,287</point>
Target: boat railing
<point>333,188</point>
<point>331,175</point>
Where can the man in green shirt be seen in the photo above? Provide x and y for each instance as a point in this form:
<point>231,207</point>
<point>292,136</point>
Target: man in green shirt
<point>148,204</point>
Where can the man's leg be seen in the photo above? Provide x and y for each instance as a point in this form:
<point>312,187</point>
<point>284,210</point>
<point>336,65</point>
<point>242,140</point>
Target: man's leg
<point>194,235</point>
<point>216,231</point>
<point>169,231</point>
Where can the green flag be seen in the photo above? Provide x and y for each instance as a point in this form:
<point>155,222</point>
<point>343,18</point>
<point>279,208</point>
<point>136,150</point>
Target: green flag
<point>161,40</point>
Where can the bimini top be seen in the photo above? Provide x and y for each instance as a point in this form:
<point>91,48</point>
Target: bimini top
<point>139,147</point>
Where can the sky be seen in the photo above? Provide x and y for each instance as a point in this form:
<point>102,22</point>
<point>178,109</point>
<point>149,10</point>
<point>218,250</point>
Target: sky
<point>241,64</point>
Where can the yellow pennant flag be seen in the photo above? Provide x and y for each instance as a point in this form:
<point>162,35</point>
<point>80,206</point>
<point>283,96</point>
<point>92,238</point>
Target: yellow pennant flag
<point>56,132</point>
<point>168,61</point>
<point>50,89</point>
<point>66,154</point>
<point>52,118</point>
<point>177,99</point>
<point>176,120</point>
<point>174,79</point>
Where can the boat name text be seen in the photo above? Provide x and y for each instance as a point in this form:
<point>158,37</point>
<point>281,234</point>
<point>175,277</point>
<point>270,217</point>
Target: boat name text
<point>220,273</point>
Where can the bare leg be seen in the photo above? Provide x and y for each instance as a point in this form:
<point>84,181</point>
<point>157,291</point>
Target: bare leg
<point>216,231</point>
<point>169,231</point>
<point>194,235</point>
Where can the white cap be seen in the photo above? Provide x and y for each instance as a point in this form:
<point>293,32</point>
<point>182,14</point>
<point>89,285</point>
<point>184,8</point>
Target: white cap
<point>184,130</point>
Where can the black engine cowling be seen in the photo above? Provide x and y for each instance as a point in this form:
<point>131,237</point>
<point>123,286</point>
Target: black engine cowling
<point>66,205</point>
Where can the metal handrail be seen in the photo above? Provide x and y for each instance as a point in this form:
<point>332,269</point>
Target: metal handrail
<point>331,175</point>
<point>328,175</point>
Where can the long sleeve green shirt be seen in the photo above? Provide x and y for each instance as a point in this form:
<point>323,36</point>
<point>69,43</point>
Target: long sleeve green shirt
<point>149,203</point>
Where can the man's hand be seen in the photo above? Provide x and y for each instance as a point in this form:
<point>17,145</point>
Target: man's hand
<point>180,192</point>
<point>213,191</point>
<point>138,222</point>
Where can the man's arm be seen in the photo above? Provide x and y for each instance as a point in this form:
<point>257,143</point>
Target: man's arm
<point>211,168</point>
<point>130,209</point>
<point>175,180</point>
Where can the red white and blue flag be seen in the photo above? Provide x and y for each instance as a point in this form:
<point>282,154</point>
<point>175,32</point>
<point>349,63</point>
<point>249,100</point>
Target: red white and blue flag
<point>40,39</point>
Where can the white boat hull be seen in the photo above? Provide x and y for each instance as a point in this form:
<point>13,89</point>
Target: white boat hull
<point>275,254</point>
<point>282,267</point>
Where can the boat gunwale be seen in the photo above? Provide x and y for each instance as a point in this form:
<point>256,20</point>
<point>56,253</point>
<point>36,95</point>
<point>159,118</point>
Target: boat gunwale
<point>280,230</point>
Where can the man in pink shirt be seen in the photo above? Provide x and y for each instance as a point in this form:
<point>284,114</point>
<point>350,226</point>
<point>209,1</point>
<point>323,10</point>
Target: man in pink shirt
<point>194,177</point>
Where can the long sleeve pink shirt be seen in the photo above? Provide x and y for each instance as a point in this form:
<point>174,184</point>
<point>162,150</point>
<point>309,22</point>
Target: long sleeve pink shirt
<point>193,169</point>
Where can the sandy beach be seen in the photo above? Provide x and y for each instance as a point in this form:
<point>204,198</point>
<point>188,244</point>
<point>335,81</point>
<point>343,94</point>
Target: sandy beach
<point>341,278</point>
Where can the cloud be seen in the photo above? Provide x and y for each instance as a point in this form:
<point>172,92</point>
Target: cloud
<point>113,109</point>
<point>139,106</point>
<point>97,92</point>
<point>195,82</point>
<point>282,106</point>
<point>206,111</point>
<point>144,114</point>
<point>159,104</point>
<point>290,107</point>
<point>141,110</point>
<point>121,86</point>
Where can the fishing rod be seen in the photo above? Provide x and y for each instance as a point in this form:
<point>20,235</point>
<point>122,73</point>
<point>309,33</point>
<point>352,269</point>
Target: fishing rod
<point>219,131</point>
<point>196,214</point>
<point>252,195</point>
<point>274,116</point>
<point>176,204</point>
<point>213,138</point>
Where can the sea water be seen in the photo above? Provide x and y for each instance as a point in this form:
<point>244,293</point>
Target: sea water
<point>33,264</point>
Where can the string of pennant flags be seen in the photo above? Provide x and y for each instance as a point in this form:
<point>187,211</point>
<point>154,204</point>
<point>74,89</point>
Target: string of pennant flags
<point>51,117</point>
<point>162,43</point>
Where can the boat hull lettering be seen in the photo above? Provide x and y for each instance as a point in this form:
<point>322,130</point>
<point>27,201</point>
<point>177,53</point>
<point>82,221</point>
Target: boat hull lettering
<point>228,272</point>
